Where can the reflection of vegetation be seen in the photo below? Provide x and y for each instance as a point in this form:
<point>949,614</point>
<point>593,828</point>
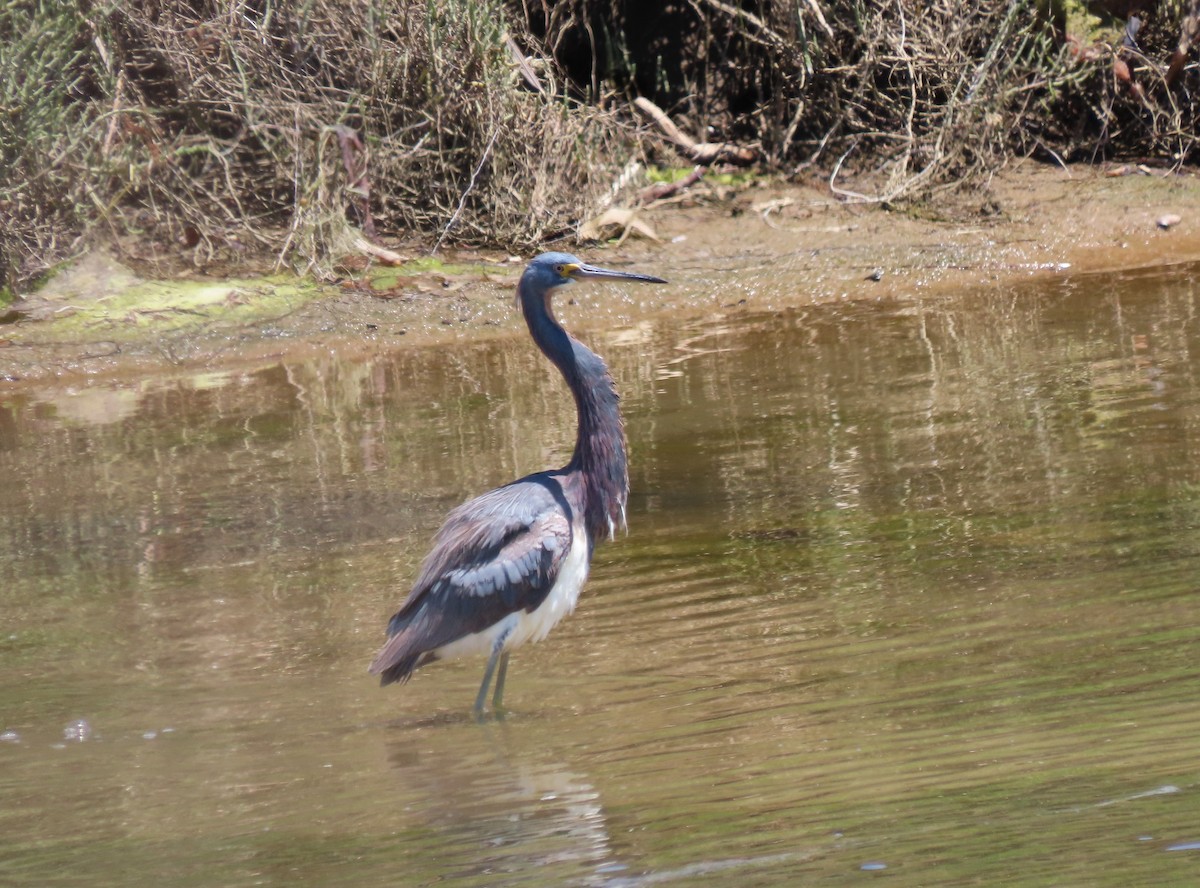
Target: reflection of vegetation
<point>902,568</point>
<point>1017,435</point>
<point>948,446</point>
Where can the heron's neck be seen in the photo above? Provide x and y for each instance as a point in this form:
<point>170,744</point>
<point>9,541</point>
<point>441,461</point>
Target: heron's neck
<point>600,440</point>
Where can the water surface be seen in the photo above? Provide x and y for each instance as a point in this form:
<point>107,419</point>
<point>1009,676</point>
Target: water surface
<point>909,592</point>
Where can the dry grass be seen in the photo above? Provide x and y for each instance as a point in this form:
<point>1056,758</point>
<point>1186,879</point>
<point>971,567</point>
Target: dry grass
<point>46,138</point>
<point>911,95</point>
<point>409,109</point>
<point>899,97</point>
<point>221,129</point>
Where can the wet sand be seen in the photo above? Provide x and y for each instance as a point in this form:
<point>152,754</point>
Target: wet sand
<point>769,247</point>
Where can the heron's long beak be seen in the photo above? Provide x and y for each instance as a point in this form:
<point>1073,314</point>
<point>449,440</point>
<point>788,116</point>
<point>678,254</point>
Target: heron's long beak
<point>585,272</point>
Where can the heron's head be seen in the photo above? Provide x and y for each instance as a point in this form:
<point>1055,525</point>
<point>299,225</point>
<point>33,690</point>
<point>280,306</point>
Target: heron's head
<point>551,270</point>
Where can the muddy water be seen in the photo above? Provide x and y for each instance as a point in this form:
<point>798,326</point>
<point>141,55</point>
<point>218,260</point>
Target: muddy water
<point>910,591</point>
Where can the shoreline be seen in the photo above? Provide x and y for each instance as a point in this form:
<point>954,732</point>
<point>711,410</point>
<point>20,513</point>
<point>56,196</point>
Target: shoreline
<point>769,247</point>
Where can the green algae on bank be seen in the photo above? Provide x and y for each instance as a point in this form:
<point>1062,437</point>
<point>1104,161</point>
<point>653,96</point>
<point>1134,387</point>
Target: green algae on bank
<point>432,275</point>
<point>99,299</point>
<point>96,317</point>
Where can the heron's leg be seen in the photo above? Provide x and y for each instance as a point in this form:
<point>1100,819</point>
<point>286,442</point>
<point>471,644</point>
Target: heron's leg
<point>499,693</point>
<point>487,680</point>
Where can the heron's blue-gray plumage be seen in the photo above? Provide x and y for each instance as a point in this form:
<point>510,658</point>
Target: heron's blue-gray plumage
<point>495,555</point>
<point>507,565</point>
<point>599,454</point>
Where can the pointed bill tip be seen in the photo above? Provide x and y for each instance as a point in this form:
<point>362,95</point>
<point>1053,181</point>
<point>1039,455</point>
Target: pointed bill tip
<point>595,272</point>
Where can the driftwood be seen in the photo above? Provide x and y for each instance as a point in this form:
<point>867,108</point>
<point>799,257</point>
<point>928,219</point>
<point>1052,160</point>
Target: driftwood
<point>703,153</point>
<point>381,254</point>
<point>615,221</point>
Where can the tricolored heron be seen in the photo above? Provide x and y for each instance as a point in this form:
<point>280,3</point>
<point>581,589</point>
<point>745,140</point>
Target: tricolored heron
<point>508,565</point>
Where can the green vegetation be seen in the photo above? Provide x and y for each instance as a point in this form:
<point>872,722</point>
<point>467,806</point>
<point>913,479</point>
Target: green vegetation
<point>209,132</point>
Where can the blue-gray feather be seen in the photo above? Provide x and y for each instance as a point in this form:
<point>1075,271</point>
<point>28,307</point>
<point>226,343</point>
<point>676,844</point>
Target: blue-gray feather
<point>502,552</point>
<point>496,554</point>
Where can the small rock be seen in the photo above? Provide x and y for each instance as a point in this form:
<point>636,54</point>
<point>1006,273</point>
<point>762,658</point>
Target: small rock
<point>1166,220</point>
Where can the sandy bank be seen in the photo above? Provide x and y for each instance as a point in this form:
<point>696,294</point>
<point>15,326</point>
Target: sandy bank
<point>765,248</point>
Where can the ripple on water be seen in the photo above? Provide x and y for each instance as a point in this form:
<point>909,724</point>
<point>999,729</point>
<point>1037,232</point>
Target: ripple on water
<point>921,574</point>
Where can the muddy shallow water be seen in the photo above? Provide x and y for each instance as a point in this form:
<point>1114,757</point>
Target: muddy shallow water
<point>910,591</point>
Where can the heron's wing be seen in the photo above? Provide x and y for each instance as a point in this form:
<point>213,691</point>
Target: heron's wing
<point>496,554</point>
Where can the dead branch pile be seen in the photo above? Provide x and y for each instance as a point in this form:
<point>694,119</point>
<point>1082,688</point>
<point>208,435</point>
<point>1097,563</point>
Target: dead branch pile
<point>898,96</point>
